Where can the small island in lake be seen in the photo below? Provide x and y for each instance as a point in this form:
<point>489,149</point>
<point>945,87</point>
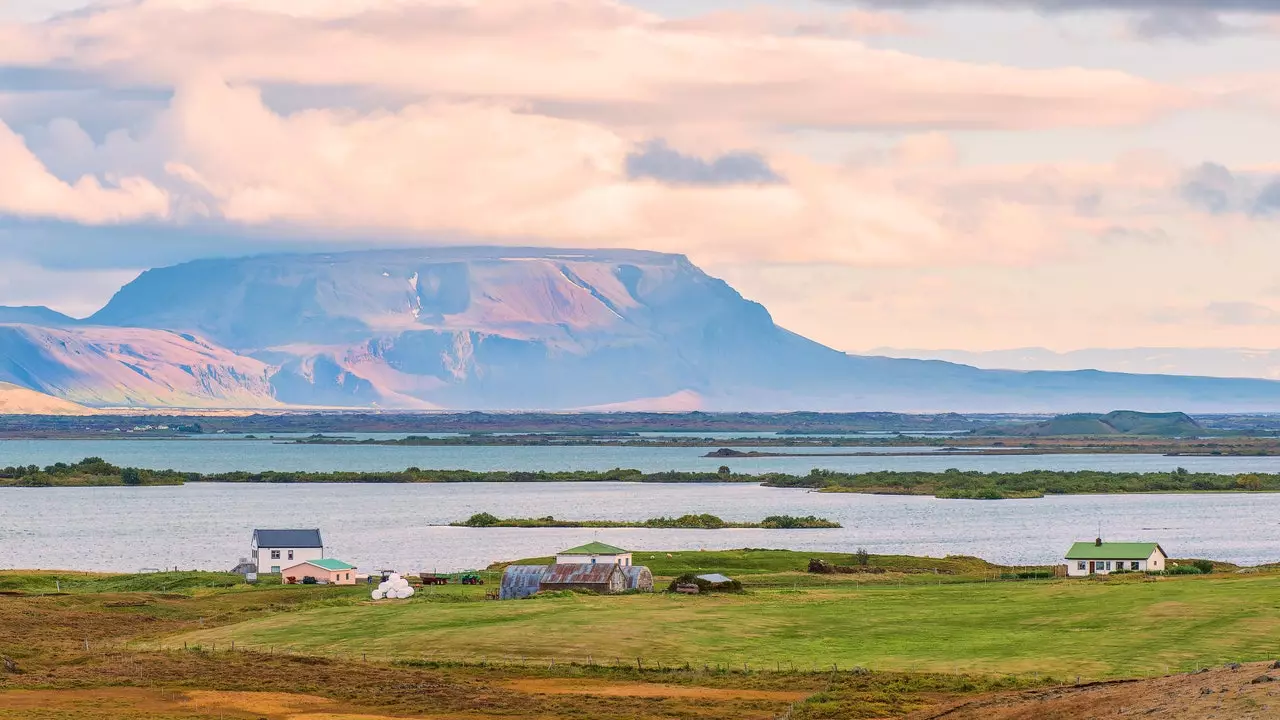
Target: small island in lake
<point>684,522</point>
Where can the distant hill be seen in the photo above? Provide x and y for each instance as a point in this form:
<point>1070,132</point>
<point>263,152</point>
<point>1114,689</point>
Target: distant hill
<point>16,400</point>
<point>1120,422</point>
<point>1204,362</point>
<point>35,315</point>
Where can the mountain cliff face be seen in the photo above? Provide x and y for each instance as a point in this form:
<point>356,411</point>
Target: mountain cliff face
<point>100,366</point>
<point>510,328</point>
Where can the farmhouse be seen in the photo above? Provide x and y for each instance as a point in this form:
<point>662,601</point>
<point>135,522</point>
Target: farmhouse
<point>272,550</point>
<point>326,571</point>
<point>1099,558</point>
<point>594,553</point>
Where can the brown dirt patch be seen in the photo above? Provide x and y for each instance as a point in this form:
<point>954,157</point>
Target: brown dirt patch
<point>1221,693</point>
<point>568,686</point>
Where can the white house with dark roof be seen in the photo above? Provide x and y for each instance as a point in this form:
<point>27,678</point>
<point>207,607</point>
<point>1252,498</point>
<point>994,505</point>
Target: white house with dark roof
<point>1104,558</point>
<point>272,550</point>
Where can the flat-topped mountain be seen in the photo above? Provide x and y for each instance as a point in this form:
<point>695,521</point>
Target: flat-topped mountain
<point>510,328</point>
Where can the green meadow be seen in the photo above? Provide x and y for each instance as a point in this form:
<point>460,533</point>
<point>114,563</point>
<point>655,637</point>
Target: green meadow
<point>1095,629</point>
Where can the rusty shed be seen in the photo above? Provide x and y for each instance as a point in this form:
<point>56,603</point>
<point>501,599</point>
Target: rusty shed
<point>638,578</point>
<point>601,578</point>
<point>521,581</point>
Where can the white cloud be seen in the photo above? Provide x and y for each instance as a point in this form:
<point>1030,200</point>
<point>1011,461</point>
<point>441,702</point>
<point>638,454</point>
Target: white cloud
<point>28,189</point>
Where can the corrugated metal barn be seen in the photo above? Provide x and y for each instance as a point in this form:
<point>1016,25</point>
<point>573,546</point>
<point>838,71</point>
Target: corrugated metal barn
<point>604,579</point>
<point>638,578</point>
<point>521,581</point>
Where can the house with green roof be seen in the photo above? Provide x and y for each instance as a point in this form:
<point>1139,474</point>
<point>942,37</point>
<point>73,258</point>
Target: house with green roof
<point>1102,558</point>
<point>594,553</point>
<point>325,571</point>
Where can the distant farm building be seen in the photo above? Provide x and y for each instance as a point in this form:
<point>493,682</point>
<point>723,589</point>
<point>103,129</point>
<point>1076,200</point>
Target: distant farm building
<point>1103,558</point>
<point>594,553</point>
<point>600,578</point>
<point>325,571</point>
<point>638,578</point>
<point>272,550</point>
<point>521,581</point>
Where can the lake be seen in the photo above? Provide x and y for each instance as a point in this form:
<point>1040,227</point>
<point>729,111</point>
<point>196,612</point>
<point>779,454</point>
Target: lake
<point>222,454</point>
<point>208,526</point>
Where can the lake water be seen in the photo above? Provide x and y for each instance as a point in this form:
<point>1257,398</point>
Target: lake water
<point>215,454</point>
<point>208,526</point>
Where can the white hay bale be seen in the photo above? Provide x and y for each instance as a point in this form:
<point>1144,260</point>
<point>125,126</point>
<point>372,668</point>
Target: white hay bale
<point>378,594</point>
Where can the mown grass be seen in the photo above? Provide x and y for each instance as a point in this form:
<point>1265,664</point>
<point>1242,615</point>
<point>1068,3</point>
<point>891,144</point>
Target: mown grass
<point>757,562</point>
<point>74,582</point>
<point>1096,629</point>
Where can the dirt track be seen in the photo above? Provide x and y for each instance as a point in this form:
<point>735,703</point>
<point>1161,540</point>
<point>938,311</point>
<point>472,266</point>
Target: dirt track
<point>1223,693</point>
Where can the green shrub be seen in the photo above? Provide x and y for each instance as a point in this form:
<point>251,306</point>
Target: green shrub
<point>483,519</point>
<point>1204,566</point>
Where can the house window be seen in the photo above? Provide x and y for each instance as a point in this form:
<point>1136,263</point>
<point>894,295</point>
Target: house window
<point>1106,565</point>
<point>593,561</point>
<point>1081,566</point>
<point>290,554</point>
<point>275,554</point>
<point>1133,565</point>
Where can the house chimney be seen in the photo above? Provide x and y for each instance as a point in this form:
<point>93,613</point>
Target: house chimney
<point>1098,542</point>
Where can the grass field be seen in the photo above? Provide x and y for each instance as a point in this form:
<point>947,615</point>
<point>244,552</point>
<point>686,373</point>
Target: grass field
<point>159,646</point>
<point>1096,629</point>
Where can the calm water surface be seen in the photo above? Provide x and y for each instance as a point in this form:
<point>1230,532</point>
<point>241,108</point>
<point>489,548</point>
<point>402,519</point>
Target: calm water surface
<point>208,526</point>
<point>226,454</point>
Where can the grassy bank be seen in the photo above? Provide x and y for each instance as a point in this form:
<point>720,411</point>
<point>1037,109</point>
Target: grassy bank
<point>977,485</point>
<point>684,522</point>
<point>951,484</point>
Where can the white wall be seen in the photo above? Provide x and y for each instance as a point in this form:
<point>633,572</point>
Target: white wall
<point>1101,566</point>
<point>623,559</point>
<point>266,563</point>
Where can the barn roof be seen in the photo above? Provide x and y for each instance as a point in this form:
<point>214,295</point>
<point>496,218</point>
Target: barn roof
<point>328,564</point>
<point>1113,551</point>
<point>579,574</point>
<point>288,538</point>
<point>594,548</point>
<point>715,578</point>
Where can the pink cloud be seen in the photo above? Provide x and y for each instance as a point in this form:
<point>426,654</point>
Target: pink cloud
<point>595,59</point>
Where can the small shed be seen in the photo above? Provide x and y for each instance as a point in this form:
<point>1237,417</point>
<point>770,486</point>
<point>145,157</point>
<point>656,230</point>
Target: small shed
<point>638,578</point>
<point>594,553</point>
<point>521,581</point>
<point>603,579</point>
<point>326,571</point>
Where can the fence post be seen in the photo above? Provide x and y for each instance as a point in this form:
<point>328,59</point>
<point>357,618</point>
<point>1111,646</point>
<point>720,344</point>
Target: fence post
<point>639,666</point>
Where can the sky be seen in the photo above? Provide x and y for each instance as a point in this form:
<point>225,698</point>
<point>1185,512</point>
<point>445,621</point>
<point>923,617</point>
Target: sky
<point>973,174</point>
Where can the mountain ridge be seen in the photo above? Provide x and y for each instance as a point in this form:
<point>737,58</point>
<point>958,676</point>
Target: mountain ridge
<point>497,328</point>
